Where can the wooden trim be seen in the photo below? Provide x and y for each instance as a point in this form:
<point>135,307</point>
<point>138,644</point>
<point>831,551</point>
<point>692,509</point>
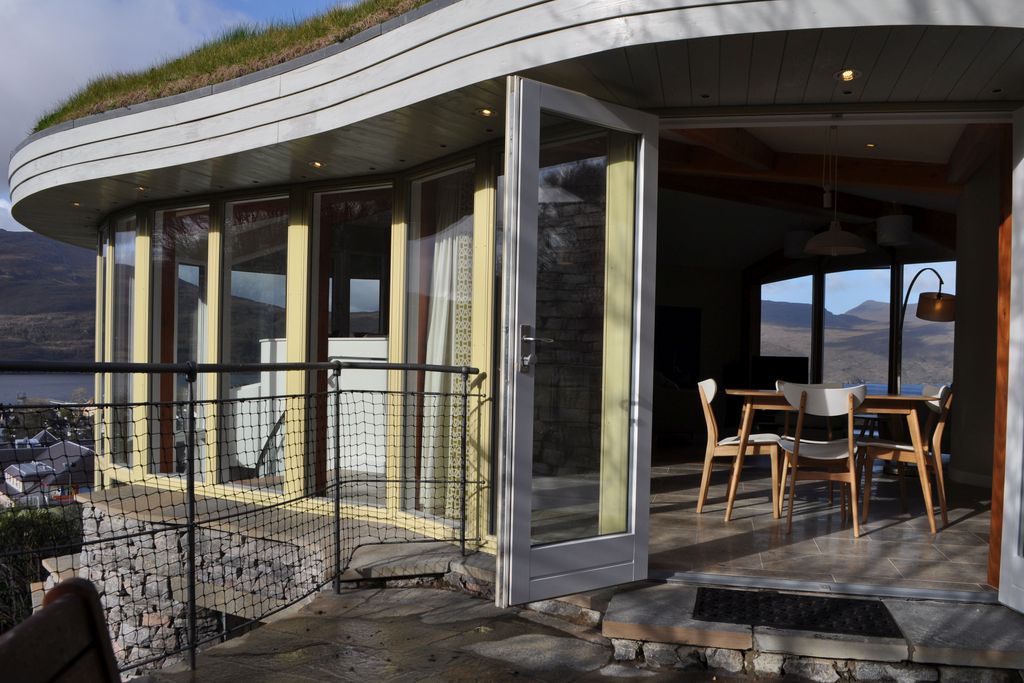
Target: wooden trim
<point>297,287</point>
<point>1005,266</point>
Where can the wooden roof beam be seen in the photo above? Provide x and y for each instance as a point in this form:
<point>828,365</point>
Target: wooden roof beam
<point>975,146</point>
<point>732,143</point>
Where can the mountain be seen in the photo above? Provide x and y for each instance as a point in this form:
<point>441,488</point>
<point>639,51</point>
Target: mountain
<point>856,343</point>
<point>47,299</point>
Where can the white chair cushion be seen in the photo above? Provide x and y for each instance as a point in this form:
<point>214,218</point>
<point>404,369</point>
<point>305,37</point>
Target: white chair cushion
<point>753,438</point>
<point>885,444</point>
<point>818,450</point>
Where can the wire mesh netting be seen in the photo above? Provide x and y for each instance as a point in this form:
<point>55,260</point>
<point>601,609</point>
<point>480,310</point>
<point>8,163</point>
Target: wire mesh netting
<point>195,519</point>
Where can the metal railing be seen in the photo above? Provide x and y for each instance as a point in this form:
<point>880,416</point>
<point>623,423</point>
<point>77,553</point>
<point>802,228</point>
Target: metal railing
<point>242,543</point>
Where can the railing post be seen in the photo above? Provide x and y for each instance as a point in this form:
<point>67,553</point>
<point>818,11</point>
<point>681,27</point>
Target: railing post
<point>337,478</point>
<point>190,377</point>
<point>462,454</point>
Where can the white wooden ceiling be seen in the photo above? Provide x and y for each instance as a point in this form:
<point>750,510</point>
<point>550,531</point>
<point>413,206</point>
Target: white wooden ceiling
<point>898,65</point>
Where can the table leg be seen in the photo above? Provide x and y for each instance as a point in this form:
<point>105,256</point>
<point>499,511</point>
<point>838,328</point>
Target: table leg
<point>926,488</point>
<point>734,481</point>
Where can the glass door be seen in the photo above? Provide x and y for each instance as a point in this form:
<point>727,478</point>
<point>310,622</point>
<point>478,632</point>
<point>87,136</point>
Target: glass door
<point>580,197</point>
<point>1011,566</point>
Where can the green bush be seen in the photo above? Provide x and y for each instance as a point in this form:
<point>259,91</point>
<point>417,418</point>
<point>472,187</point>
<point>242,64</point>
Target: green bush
<point>26,537</point>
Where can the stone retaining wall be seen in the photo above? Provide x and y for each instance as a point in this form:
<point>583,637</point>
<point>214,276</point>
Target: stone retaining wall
<point>141,580</point>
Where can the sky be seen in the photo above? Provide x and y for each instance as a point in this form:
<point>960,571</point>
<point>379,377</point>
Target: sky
<point>50,48</point>
<point>848,289</point>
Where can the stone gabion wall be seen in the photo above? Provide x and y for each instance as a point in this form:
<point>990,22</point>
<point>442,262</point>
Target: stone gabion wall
<point>140,575</point>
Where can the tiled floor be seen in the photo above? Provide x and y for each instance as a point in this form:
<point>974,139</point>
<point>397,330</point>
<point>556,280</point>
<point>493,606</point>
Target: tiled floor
<point>895,549</point>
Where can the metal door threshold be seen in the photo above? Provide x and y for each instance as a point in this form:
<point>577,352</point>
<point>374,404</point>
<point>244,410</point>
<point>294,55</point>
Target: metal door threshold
<point>863,589</point>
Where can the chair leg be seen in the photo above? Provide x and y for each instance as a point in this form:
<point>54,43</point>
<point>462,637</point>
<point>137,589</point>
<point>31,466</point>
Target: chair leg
<point>775,481</point>
<point>831,494</point>
<point>705,479</point>
<point>842,501</point>
<point>901,470</point>
<point>853,498</point>
<point>868,465</point>
<point>940,484</point>
<point>792,496</point>
<point>782,482</point>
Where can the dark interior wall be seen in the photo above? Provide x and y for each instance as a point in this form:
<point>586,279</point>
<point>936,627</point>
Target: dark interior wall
<point>974,342</point>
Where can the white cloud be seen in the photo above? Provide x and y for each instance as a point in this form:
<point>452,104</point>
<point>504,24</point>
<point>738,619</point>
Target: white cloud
<point>49,48</point>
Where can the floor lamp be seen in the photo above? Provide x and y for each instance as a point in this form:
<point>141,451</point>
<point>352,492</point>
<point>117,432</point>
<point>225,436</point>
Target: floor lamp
<point>931,306</point>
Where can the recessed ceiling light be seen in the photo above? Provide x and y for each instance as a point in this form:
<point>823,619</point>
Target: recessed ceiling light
<point>485,112</point>
<point>996,91</point>
<point>316,164</point>
<point>76,204</point>
<point>141,188</point>
<point>847,75</point>
<point>870,145</point>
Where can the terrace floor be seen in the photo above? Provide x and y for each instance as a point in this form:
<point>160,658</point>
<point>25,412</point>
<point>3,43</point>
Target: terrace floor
<point>895,549</point>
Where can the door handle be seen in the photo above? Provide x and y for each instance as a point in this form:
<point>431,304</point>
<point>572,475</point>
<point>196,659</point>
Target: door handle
<point>526,346</point>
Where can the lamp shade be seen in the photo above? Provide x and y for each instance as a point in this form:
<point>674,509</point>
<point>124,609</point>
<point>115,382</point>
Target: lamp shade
<point>894,230</point>
<point>835,242</point>
<point>936,307</point>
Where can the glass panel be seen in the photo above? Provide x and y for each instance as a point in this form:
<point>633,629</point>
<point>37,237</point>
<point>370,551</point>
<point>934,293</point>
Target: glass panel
<point>253,331</point>
<point>438,322</point>
<point>354,231</point>
<point>856,334</point>
<point>927,346</point>
<point>786,317</point>
<point>571,294</point>
<point>179,286</point>
<point>123,318</point>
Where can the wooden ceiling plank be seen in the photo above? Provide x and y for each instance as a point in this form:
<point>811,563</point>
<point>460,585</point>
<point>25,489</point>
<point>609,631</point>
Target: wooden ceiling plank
<point>704,65</point>
<point>1007,78</point>
<point>733,143</point>
<point>734,69</point>
<point>922,64</point>
<point>645,69</point>
<point>864,52</point>
<point>899,45</point>
<point>612,69</point>
<point>970,86</point>
<point>969,43</point>
<point>801,46</point>
<point>976,144</point>
<point>765,64</point>
<point>674,63</point>
<point>832,55</point>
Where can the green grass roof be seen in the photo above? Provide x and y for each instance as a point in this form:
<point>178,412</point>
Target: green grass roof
<point>238,52</point>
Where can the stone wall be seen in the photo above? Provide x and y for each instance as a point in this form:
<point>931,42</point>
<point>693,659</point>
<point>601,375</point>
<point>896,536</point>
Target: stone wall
<point>140,575</point>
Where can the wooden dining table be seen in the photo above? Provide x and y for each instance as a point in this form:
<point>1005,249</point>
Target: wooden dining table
<point>877,404</point>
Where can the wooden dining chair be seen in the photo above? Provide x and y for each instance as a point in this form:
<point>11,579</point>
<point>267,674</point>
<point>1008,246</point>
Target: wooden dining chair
<point>831,460</point>
<point>757,444</point>
<point>902,453</point>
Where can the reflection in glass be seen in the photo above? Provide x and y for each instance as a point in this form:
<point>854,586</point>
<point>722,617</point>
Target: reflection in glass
<point>179,286</point>
<point>571,293</point>
<point>253,331</point>
<point>123,319</point>
<point>438,320</point>
<point>354,233</point>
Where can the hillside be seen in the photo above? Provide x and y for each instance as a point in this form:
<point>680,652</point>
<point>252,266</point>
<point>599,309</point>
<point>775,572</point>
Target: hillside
<point>47,299</point>
<point>857,342</point>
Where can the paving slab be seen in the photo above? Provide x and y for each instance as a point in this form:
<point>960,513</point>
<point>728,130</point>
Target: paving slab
<point>664,614</point>
<point>535,652</point>
<point>961,634</point>
<point>829,645</point>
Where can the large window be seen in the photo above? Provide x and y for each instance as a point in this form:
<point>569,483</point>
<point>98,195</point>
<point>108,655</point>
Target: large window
<point>354,233</point>
<point>179,288</point>
<point>856,329</point>
<point>122,326</point>
<point>438,323</point>
<point>253,331</point>
<point>927,346</point>
<point>786,317</point>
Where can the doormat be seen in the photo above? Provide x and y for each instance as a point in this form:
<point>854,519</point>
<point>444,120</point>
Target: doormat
<point>820,614</point>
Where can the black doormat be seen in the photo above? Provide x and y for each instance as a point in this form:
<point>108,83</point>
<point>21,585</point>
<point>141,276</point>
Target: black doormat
<point>820,614</point>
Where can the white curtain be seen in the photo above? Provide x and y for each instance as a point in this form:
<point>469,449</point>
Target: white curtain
<point>449,342</point>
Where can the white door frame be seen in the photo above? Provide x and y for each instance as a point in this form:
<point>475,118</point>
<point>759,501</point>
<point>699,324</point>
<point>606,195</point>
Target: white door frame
<point>527,573</point>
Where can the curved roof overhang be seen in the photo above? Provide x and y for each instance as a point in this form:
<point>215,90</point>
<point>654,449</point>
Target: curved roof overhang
<point>414,81</point>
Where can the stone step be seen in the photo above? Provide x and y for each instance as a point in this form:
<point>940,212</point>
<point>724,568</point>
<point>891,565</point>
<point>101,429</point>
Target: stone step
<point>934,633</point>
<point>37,590</point>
